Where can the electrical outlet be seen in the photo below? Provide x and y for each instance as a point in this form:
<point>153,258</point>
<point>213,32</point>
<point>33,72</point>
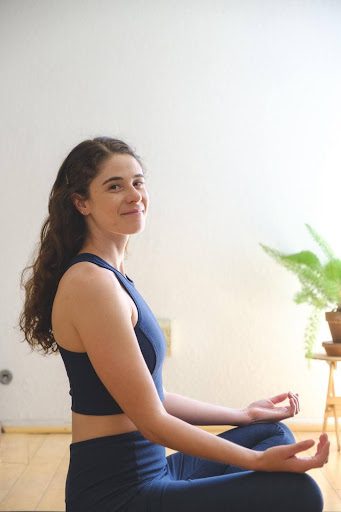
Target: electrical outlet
<point>165,325</point>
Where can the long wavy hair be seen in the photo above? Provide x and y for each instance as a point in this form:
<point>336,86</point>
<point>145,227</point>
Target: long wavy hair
<point>62,236</point>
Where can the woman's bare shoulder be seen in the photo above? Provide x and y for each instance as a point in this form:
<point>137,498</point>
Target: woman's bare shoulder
<point>85,274</point>
<point>82,280</point>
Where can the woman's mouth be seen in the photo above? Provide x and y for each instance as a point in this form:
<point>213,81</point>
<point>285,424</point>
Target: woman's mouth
<point>133,212</point>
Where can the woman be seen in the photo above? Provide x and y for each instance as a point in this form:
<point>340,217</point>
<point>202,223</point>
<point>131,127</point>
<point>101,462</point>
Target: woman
<point>80,301</point>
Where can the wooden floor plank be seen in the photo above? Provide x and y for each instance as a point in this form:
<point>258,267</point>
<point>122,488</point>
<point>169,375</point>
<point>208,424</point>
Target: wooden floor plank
<point>54,496</point>
<point>14,448</point>
<point>29,488</point>
<point>9,474</point>
<point>34,443</point>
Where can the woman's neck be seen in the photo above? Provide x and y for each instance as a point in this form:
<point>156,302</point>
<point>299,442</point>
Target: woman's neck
<point>113,254</point>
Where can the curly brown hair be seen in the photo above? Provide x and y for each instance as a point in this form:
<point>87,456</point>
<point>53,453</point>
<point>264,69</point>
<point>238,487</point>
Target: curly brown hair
<point>62,236</point>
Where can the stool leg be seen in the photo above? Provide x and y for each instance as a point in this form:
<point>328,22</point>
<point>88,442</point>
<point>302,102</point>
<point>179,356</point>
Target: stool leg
<point>337,429</point>
<point>332,369</point>
<point>329,391</point>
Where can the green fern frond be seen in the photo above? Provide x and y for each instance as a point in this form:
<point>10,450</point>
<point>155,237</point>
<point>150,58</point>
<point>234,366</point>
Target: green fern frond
<point>317,284</point>
<point>308,269</point>
<point>311,330</point>
<point>332,270</point>
<point>320,284</point>
<point>321,242</point>
<point>307,258</point>
<point>309,296</point>
<point>272,252</point>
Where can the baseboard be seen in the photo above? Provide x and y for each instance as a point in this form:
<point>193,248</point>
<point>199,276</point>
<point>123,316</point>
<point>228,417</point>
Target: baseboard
<point>36,429</point>
<point>295,426</point>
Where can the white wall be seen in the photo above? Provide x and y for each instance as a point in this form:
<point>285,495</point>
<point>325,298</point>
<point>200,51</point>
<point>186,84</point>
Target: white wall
<point>235,108</point>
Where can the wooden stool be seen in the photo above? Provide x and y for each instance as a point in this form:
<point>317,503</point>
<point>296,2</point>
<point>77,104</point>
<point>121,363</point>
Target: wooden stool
<point>333,402</point>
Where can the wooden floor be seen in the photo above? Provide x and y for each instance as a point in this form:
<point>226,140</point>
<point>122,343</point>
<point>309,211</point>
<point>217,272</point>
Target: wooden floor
<point>33,469</point>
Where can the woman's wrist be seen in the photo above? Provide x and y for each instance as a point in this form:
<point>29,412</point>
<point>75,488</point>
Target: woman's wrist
<point>244,417</point>
<point>240,417</point>
<point>256,461</point>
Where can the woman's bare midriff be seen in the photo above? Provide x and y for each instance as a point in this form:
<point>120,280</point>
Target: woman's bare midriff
<point>86,426</point>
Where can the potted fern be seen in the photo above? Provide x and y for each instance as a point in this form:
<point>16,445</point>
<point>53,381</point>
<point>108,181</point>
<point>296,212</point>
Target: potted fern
<point>320,288</point>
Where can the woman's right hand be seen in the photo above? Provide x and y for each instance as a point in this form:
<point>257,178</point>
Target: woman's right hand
<point>283,458</point>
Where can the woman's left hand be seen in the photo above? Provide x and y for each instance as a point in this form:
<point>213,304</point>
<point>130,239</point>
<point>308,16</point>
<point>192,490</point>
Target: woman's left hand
<point>266,410</point>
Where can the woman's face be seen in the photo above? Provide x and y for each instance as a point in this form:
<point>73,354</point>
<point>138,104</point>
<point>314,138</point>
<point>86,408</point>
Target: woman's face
<point>118,199</point>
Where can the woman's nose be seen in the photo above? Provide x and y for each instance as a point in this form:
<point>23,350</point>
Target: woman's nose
<point>133,195</point>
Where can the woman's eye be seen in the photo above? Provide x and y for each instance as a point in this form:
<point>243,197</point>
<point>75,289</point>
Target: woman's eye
<point>114,186</point>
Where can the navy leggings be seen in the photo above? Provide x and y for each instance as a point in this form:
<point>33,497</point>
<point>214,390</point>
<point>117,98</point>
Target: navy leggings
<point>128,473</point>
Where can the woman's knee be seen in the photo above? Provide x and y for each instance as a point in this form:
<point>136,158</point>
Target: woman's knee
<point>283,492</point>
<point>309,497</point>
<point>263,434</point>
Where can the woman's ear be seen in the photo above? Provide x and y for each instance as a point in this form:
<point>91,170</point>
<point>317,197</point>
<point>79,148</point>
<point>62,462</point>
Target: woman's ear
<point>79,203</point>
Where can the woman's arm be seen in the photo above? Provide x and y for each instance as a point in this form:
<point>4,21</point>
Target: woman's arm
<point>202,413</point>
<point>174,433</point>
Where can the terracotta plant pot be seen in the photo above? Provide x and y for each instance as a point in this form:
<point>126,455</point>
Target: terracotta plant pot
<point>332,349</point>
<point>334,321</point>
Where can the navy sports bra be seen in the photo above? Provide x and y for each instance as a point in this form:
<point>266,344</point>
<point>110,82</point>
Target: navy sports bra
<point>88,393</point>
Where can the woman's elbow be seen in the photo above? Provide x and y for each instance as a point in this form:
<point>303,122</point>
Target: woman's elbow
<point>152,430</point>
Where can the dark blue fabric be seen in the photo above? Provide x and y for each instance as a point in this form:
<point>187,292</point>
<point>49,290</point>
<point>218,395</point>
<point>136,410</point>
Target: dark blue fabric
<point>128,473</point>
<point>88,393</point>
